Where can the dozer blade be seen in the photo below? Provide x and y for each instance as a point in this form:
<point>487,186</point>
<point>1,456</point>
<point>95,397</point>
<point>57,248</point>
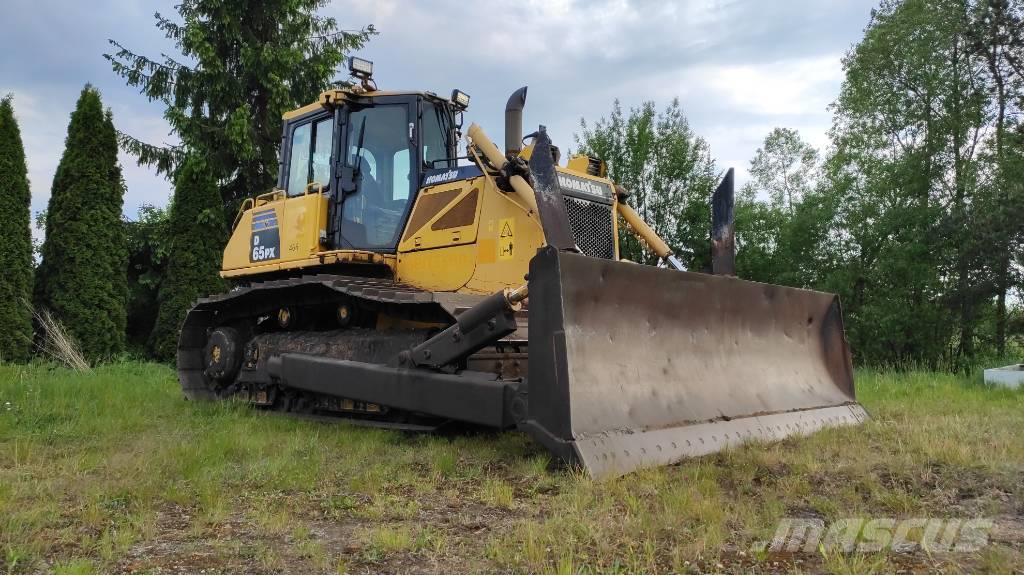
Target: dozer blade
<point>633,366</point>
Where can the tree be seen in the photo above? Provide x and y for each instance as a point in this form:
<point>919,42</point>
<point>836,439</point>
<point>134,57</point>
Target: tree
<point>197,234</point>
<point>82,278</point>
<point>244,64</point>
<point>16,255</point>
<point>784,217</point>
<point>908,122</point>
<point>785,168</point>
<point>148,247</point>
<point>999,40</point>
<point>669,172</point>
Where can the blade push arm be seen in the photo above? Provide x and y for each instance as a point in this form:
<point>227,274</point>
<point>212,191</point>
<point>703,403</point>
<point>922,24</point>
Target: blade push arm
<point>723,229</point>
<point>526,193</point>
<point>645,233</point>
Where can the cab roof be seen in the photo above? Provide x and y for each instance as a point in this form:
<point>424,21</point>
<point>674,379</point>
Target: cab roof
<point>330,98</point>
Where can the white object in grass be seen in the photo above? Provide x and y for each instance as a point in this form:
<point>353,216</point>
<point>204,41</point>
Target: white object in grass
<point>1011,376</point>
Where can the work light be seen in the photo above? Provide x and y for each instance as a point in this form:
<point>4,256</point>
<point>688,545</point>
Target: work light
<point>460,99</point>
<point>360,68</point>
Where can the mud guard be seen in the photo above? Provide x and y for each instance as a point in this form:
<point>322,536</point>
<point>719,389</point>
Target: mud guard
<point>634,366</point>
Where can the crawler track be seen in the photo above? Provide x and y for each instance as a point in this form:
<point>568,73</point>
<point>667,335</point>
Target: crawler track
<point>386,318</point>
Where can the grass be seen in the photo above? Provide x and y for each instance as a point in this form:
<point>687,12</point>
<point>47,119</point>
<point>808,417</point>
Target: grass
<point>111,471</point>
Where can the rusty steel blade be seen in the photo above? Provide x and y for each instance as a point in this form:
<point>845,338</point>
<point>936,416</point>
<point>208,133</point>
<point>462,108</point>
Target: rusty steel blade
<point>633,366</point>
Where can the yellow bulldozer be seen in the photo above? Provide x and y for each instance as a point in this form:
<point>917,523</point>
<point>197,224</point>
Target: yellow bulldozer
<point>391,282</point>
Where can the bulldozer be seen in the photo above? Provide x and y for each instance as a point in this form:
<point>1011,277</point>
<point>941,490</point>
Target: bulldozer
<point>389,281</point>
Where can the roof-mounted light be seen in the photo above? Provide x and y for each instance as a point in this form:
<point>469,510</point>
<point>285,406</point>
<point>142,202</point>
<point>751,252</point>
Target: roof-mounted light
<point>460,99</point>
<point>360,68</point>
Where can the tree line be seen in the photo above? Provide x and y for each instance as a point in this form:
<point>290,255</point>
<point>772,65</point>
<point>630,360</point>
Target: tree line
<point>914,213</point>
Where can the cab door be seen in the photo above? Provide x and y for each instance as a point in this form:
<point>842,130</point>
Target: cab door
<point>379,155</point>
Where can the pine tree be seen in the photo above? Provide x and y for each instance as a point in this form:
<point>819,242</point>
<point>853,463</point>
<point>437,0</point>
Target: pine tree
<point>197,236</point>
<point>82,278</point>
<point>16,255</point>
<point>245,63</point>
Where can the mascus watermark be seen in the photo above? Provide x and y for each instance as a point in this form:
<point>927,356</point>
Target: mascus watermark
<point>871,535</point>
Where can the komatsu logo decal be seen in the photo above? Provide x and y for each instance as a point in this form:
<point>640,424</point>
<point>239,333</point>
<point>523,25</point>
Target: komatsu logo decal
<point>446,176</point>
<point>583,186</point>
<point>266,239</point>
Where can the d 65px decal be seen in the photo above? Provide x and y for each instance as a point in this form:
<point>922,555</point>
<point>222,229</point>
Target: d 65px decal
<point>266,239</point>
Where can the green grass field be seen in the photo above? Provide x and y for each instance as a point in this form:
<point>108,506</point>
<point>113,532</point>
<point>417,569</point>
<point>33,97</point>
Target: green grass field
<point>113,472</point>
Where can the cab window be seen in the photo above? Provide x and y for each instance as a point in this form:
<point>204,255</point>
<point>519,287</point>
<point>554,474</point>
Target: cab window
<point>400,174</point>
<point>298,171</point>
<point>310,162</point>
<point>435,139</point>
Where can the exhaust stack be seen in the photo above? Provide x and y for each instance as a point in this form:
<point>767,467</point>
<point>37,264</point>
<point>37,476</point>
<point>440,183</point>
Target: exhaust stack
<point>514,121</point>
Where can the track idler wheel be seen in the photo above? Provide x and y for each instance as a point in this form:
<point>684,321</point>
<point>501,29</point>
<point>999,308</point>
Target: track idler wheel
<point>223,354</point>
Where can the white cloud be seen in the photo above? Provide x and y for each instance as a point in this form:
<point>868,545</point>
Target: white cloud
<point>43,140</point>
<point>787,88</point>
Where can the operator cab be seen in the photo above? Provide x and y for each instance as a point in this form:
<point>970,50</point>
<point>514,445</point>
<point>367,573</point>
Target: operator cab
<point>368,152</point>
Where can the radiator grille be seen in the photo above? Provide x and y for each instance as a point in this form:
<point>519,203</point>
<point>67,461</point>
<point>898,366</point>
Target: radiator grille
<point>591,227</point>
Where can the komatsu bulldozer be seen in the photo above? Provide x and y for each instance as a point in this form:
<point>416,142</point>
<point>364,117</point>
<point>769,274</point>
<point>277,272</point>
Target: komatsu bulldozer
<point>387,280</point>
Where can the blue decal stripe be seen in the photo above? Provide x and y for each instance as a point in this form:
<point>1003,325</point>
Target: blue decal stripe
<point>263,225</point>
<point>264,216</point>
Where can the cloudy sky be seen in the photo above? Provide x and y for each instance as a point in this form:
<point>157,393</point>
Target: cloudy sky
<point>739,67</point>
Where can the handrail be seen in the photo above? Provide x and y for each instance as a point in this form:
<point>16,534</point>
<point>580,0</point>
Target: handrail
<point>272,194</point>
<point>262,199</point>
<point>241,210</point>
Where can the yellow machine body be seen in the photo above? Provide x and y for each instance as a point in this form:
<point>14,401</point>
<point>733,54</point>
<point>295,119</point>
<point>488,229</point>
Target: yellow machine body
<point>465,236</point>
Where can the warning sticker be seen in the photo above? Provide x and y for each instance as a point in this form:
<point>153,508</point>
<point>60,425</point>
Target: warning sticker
<point>506,238</point>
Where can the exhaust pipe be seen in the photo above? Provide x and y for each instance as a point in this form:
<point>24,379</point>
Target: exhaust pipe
<point>514,121</point>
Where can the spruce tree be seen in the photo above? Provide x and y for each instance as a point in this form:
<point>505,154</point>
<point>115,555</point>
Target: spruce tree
<point>242,65</point>
<point>82,278</point>
<point>16,254</point>
<point>197,237</point>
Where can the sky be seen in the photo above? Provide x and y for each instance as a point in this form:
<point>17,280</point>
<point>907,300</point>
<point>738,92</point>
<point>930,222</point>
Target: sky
<point>738,67</point>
